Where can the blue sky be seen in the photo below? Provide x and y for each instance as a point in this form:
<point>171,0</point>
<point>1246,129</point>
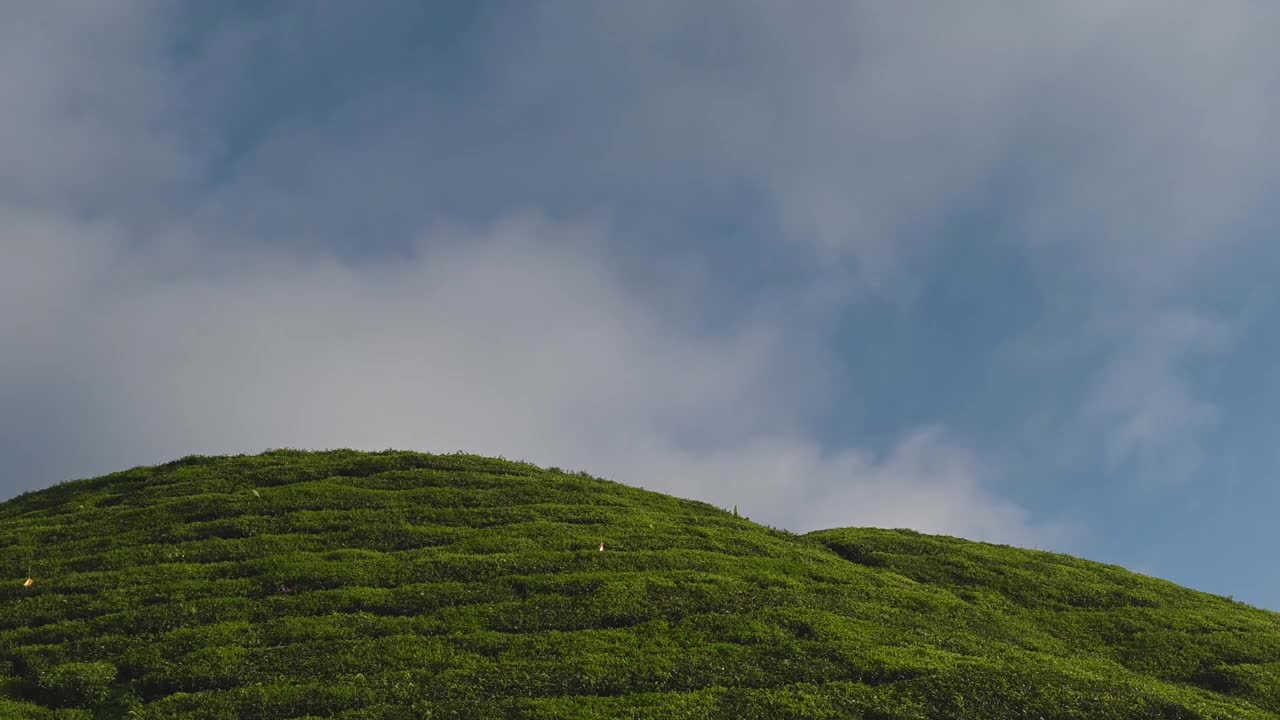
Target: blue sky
<point>1003,273</point>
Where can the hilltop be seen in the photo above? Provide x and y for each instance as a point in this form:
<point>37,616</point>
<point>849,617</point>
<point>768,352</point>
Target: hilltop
<point>401,585</point>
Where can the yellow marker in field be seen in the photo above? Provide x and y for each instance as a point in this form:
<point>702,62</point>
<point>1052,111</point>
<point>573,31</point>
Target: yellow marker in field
<point>29,582</point>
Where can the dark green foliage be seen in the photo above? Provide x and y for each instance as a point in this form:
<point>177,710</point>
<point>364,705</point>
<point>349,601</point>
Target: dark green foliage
<point>76,683</point>
<point>397,586</point>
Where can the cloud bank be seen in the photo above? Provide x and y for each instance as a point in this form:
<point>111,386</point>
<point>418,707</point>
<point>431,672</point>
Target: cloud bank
<point>629,239</point>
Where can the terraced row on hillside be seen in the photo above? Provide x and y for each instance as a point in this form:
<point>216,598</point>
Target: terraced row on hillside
<point>400,585</point>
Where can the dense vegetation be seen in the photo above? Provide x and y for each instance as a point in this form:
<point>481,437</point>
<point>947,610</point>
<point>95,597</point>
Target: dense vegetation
<point>400,585</point>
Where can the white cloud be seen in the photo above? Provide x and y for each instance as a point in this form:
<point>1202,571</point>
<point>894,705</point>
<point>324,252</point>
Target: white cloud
<point>1145,396</point>
<point>156,318</point>
<point>516,340</point>
<point>863,126</point>
<point>925,482</point>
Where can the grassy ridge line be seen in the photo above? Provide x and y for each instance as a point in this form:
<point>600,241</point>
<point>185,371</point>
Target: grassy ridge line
<point>389,585</point>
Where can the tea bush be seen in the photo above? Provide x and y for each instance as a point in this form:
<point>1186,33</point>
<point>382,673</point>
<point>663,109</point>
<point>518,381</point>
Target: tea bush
<point>76,683</point>
<point>400,585</point>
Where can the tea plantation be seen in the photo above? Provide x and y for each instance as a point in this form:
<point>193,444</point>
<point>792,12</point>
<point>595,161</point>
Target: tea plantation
<point>399,585</point>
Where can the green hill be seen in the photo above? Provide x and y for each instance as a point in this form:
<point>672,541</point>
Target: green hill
<point>400,585</point>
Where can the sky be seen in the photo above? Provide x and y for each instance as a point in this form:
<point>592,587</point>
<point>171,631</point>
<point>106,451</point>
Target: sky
<point>999,271</point>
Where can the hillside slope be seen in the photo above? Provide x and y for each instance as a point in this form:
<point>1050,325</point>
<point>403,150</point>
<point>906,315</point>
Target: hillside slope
<point>400,585</point>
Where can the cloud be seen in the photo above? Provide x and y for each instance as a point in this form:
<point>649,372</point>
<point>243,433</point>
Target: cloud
<point>1145,396</point>
<point>661,214</point>
<point>516,339</point>
<point>93,119</point>
<point>926,481</point>
<point>501,334</point>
